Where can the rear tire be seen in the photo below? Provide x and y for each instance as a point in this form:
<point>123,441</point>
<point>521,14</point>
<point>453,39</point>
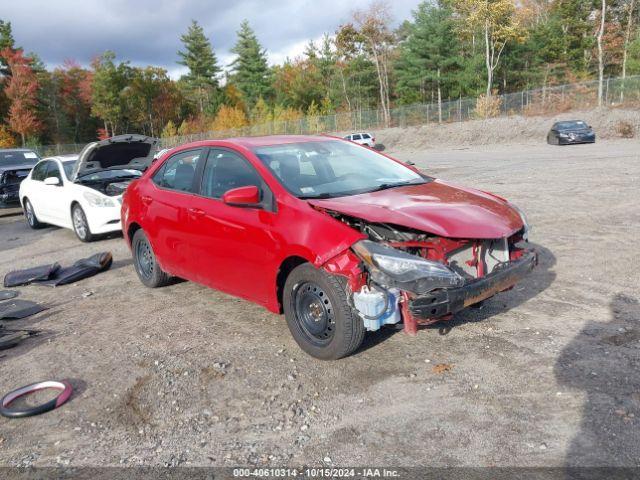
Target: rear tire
<point>30,215</point>
<point>318,314</point>
<point>145,262</point>
<point>80,224</point>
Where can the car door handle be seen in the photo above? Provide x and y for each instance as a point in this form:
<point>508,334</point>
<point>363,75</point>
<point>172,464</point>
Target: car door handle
<point>196,212</point>
<point>145,199</point>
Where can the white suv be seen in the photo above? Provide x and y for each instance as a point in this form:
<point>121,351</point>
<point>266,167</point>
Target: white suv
<point>362,139</point>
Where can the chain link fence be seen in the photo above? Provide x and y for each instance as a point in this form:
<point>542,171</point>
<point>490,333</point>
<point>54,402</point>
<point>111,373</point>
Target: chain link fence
<point>617,92</point>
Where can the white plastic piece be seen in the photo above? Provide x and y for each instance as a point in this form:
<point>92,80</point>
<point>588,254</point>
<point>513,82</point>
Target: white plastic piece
<point>371,303</point>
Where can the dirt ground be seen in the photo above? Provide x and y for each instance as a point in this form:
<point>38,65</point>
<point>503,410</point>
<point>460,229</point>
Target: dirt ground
<point>547,374</point>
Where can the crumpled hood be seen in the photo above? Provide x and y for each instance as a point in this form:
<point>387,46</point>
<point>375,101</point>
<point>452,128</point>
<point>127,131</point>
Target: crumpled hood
<point>122,151</point>
<point>435,207</point>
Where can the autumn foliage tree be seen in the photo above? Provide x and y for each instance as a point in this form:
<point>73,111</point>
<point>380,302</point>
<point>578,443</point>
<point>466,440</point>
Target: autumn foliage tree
<point>21,89</point>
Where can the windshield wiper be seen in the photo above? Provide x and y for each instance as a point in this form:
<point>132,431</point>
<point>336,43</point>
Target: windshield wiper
<point>386,186</point>
<point>320,195</point>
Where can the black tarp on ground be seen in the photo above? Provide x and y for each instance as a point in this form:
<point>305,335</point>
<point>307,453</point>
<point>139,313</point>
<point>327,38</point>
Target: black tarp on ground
<point>8,294</point>
<point>29,275</point>
<point>53,275</point>
<point>17,309</point>
<point>11,338</point>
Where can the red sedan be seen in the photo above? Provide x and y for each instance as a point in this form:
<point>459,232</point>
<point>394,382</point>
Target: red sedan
<point>340,238</point>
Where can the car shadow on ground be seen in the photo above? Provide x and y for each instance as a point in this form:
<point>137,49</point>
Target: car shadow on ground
<point>603,362</point>
<point>539,280</point>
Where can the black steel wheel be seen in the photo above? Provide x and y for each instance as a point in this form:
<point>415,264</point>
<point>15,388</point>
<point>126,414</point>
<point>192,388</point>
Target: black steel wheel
<point>318,313</point>
<point>146,265</point>
<point>314,313</point>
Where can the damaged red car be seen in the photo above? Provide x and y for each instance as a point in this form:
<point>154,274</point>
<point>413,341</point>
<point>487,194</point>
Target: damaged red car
<point>338,237</point>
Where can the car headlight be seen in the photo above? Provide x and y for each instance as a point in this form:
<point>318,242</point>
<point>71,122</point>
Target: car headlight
<point>389,266</point>
<point>525,222</point>
<point>96,200</point>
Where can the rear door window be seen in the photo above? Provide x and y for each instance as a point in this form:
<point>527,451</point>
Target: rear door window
<point>357,137</point>
<point>179,171</point>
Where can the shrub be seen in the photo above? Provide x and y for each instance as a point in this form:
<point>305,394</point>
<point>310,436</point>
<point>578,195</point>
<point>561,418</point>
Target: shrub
<point>625,129</point>
<point>487,107</point>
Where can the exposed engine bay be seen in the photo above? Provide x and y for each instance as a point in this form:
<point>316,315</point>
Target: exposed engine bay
<point>109,186</point>
<point>426,277</point>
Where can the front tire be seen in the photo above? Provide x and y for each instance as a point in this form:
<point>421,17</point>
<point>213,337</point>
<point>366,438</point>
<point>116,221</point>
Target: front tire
<point>80,224</point>
<point>318,314</point>
<point>30,215</point>
<point>145,262</point>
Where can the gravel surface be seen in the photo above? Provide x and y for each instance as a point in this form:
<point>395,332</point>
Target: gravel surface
<point>544,375</point>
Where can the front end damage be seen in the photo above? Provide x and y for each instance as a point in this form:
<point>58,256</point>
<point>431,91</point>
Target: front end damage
<point>10,184</point>
<point>397,273</point>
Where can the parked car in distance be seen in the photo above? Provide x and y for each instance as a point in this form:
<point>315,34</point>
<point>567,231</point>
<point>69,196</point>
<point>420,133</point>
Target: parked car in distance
<point>15,164</point>
<point>296,224</point>
<point>570,132</point>
<point>84,192</point>
<point>362,138</point>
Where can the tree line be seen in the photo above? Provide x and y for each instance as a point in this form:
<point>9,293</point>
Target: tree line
<point>447,50</point>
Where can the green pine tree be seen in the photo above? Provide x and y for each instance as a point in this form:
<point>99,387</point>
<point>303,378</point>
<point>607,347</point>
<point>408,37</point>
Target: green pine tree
<point>251,73</point>
<point>198,56</point>
<point>6,41</point>
<point>429,62</point>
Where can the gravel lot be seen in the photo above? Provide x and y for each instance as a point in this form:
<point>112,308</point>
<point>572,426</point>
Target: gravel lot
<point>544,375</point>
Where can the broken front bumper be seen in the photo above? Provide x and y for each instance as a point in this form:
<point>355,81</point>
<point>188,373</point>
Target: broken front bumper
<point>440,303</point>
<point>9,193</point>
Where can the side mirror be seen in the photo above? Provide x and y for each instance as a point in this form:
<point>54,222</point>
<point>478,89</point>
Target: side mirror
<point>53,181</point>
<point>242,197</point>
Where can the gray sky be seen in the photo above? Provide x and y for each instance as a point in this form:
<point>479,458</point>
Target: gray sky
<point>147,32</point>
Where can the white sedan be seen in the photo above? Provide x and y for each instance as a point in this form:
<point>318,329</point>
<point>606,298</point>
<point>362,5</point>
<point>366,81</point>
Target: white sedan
<point>84,192</point>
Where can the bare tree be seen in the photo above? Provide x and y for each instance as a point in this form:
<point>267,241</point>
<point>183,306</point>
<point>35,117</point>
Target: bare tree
<point>627,38</point>
<point>599,36</point>
<point>374,25</point>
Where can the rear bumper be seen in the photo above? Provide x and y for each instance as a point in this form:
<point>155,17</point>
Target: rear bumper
<point>447,301</point>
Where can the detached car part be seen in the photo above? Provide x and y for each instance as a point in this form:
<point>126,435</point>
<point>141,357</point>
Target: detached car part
<point>54,275</point>
<point>64,395</point>
<point>8,294</point>
<point>18,309</point>
<point>9,338</point>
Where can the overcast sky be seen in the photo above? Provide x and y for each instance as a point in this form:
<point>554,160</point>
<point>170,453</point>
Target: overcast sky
<point>147,32</point>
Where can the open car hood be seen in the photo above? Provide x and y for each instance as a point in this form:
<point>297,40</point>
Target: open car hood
<point>129,151</point>
<point>434,207</point>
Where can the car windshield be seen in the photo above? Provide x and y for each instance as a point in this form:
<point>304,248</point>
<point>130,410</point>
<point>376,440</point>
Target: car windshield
<point>110,175</point>
<point>571,125</point>
<point>17,157</point>
<point>334,168</point>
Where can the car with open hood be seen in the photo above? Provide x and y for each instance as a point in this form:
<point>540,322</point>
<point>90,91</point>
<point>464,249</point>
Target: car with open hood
<point>570,132</point>
<point>15,165</point>
<point>84,192</point>
<point>339,237</point>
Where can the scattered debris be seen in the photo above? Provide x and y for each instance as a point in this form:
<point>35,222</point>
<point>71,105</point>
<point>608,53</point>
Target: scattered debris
<point>54,275</point>
<point>65,392</point>
<point>442,368</point>
<point>17,309</point>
